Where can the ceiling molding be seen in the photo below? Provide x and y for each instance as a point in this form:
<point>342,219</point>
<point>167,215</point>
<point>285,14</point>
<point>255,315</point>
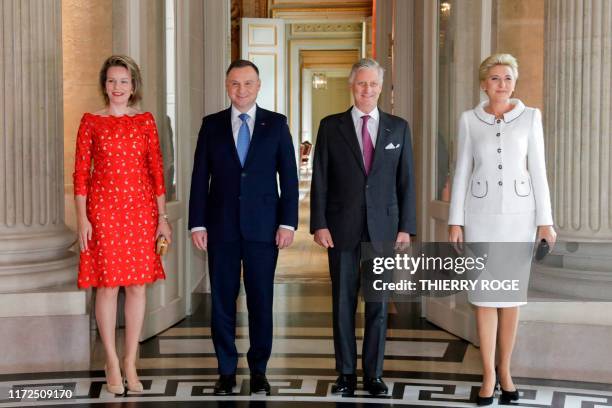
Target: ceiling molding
<point>310,28</point>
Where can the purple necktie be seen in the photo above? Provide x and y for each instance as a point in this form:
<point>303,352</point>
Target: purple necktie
<point>368,147</point>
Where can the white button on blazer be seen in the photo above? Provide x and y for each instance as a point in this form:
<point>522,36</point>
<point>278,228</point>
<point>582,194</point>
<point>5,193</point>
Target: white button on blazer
<point>500,165</point>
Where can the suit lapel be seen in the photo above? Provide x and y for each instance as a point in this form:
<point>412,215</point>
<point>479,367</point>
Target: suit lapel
<point>382,139</point>
<point>347,129</point>
<point>259,131</point>
<point>228,134</point>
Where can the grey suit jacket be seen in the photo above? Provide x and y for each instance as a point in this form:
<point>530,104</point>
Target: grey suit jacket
<point>345,200</point>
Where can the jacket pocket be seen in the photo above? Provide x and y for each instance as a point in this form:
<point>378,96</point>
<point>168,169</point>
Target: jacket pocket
<point>333,207</point>
<point>270,199</point>
<point>480,188</point>
<point>392,210</point>
<point>522,187</point>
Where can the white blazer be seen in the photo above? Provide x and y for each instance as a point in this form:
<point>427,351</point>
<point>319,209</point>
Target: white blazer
<point>500,165</point>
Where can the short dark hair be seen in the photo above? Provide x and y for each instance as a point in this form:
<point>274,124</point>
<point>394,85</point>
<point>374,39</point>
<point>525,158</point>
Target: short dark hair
<point>240,63</point>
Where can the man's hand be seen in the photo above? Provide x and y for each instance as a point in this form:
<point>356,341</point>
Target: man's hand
<point>284,237</point>
<point>402,242</point>
<point>323,237</point>
<point>200,240</point>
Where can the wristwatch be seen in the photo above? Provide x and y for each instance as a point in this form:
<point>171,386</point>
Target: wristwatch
<point>163,217</point>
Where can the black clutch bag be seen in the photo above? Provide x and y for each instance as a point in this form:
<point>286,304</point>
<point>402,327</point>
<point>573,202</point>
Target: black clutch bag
<point>542,250</point>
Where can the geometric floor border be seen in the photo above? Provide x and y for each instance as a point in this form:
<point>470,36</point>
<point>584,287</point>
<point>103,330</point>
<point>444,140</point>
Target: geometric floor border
<point>409,392</point>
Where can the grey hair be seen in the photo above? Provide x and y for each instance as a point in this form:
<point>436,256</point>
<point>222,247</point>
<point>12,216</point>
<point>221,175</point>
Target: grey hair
<point>366,63</point>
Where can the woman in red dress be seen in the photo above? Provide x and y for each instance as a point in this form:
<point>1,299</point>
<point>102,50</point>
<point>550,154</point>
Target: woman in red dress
<point>121,210</point>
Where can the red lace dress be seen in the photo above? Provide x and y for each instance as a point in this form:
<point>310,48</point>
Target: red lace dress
<point>121,187</point>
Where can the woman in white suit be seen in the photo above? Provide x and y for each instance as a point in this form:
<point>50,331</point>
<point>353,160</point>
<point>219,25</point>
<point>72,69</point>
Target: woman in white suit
<point>500,194</point>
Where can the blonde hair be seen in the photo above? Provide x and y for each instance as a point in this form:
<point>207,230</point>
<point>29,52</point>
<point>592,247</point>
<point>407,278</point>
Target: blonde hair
<point>129,64</point>
<point>498,59</point>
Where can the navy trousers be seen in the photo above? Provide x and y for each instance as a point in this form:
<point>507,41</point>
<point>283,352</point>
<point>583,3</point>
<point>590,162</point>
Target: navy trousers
<point>258,261</point>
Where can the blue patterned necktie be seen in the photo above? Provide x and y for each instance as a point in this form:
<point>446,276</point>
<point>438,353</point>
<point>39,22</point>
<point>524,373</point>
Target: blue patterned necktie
<point>244,138</point>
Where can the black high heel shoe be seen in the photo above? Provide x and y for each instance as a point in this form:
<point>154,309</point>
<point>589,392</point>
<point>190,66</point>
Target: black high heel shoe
<point>508,396</point>
<point>483,401</point>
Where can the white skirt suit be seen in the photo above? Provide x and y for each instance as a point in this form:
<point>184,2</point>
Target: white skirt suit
<point>500,192</point>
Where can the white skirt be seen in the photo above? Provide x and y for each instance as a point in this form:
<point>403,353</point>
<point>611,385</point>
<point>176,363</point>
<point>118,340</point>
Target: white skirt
<point>500,228</point>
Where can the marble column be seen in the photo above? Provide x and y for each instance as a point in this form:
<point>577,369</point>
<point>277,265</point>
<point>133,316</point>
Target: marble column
<point>34,240</point>
<point>578,127</point>
<point>577,116</point>
<point>557,338</point>
<point>38,292</point>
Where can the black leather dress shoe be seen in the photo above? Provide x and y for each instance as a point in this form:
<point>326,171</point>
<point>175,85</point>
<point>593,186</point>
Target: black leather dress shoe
<point>375,385</point>
<point>345,384</point>
<point>259,384</point>
<point>225,384</point>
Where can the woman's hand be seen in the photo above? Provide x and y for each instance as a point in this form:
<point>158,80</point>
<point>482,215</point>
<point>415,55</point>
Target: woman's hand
<point>547,232</point>
<point>455,234</point>
<point>165,229</point>
<point>84,230</point>
<point>455,237</point>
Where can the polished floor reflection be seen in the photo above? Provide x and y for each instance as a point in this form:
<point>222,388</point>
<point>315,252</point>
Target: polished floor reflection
<point>424,366</point>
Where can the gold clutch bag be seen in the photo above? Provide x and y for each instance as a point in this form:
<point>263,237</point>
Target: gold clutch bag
<point>161,246</point>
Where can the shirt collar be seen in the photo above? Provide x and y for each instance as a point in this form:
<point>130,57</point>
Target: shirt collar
<point>357,114</point>
<point>236,113</point>
<point>508,117</point>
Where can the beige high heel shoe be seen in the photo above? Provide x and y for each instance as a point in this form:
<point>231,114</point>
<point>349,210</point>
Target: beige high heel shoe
<point>136,387</point>
<point>133,387</point>
<point>116,389</point>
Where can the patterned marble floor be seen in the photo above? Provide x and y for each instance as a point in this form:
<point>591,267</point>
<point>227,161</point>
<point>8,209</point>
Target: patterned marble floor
<point>424,366</point>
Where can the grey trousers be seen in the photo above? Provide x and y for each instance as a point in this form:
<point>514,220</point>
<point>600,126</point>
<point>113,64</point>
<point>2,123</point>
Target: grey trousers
<point>346,280</point>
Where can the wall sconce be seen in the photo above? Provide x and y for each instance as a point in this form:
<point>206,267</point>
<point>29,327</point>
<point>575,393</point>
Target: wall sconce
<point>319,80</point>
<point>445,8</point>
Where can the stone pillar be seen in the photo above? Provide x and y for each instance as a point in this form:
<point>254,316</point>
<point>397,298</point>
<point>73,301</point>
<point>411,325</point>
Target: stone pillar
<point>558,338</point>
<point>37,270</point>
<point>34,240</point>
<point>577,121</point>
<point>578,127</point>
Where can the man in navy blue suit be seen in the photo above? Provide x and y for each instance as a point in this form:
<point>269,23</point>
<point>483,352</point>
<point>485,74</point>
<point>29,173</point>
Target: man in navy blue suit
<point>237,214</point>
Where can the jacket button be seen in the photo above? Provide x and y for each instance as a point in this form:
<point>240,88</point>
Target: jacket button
<point>498,134</point>
<point>498,150</point>
<point>243,174</point>
<point>499,167</point>
<point>500,182</point>
<point>498,120</point>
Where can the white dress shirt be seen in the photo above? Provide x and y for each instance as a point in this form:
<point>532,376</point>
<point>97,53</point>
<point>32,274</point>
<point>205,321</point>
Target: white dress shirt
<point>372,125</point>
<point>236,124</point>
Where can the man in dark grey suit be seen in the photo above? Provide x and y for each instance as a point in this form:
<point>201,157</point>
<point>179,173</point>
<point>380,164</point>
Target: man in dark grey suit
<point>362,190</point>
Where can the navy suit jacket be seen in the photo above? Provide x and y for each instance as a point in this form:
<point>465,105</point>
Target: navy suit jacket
<point>234,202</point>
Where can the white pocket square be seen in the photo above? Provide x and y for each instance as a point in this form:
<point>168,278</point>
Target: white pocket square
<point>392,146</point>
